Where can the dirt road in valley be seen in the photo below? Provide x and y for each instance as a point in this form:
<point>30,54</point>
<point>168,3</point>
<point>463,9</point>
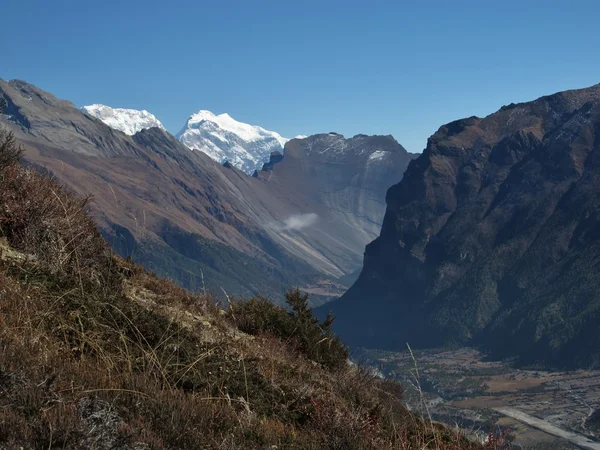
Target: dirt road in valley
<point>574,438</point>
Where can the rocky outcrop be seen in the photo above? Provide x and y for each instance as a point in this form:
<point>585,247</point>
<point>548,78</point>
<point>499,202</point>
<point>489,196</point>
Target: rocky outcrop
<point>492,238</point>
<point>593,422</point>
<point>274,158</point>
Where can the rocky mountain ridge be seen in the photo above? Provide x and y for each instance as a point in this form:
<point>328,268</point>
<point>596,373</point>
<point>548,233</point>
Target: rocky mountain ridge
<point>491,239</point>
<point>224,139</point>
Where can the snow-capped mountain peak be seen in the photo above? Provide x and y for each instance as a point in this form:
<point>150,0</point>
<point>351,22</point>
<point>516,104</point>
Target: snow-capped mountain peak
<point>223,138</point>
<point>227,123</point>
<point>129,121</point>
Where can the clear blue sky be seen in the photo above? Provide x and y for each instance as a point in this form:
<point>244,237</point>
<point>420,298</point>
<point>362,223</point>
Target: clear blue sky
<point>303,67</point>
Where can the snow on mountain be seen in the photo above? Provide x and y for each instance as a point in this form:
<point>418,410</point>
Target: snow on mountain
<point>223,138</point>
<point>129,121</point>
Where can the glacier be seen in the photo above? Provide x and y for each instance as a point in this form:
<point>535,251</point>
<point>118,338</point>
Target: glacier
<point>129,121</point>
<point>223,138</point>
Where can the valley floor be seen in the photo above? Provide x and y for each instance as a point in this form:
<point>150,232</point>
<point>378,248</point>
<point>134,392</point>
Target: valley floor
<point>542,409</point>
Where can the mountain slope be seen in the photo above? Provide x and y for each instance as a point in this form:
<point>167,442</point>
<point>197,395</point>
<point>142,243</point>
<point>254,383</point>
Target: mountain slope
<point>172,209</point>
<point>203,224</point>
<point>223,138</point>
<point>491,238</point>
<point>98,353</point>
<point>129,121</point>
<point>340,184</point>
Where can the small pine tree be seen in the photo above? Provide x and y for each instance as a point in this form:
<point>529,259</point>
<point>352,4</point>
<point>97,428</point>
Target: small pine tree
<point>299,327</point>
<point>328,322</point>
<point>299,304</point>
<point>315,339</point>
<point>10,151</point>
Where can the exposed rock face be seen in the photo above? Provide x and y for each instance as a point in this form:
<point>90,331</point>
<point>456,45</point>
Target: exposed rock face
<point>206,225</point>
<point>341,181</point>
<point>593,422</point>
<point>41,116</point>
<point>492,238</point>
<point>274,158</point>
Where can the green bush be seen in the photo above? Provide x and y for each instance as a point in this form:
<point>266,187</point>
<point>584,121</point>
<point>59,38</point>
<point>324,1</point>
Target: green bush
<point>305,333</point>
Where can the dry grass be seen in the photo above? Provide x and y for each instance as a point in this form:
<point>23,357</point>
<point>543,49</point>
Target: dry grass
<point>298,327</point>
<point>95,352</point>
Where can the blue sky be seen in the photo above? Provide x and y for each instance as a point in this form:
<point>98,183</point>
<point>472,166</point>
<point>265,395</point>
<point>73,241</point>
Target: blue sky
<point>303,67</point>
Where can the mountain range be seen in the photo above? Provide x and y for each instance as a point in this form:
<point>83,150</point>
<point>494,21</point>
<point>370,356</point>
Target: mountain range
<point>489,238</point>
<point>224,139</point>
<point>492,239</point>
<point>303,221</point>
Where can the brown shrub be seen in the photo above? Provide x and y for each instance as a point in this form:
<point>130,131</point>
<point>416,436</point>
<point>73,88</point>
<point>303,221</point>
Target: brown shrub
<point>43,220</point>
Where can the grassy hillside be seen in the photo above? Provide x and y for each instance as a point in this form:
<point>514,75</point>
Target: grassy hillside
<point>96,352</point>
<point>201,265</point>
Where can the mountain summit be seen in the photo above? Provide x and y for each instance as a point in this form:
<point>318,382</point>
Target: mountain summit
<point>129,121</point>
<point>223,138</point>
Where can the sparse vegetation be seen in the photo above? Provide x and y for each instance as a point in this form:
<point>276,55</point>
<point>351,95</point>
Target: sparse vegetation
<point>299,327</point>
<point>96,352</point>
<point>10,152</point>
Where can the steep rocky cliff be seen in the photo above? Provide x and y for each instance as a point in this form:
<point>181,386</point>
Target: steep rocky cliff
<point>492,238</point>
